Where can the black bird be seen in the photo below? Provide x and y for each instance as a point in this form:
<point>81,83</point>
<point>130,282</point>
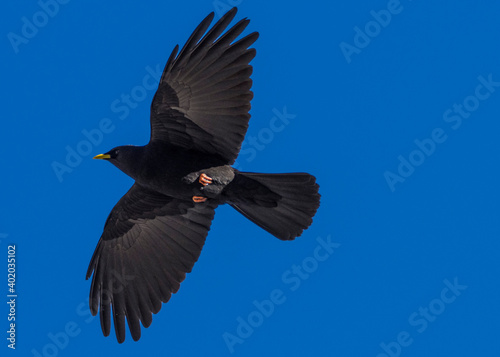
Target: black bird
<point>155,233</point>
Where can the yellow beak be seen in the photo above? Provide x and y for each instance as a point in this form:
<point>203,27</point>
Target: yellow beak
<point>102,157</point>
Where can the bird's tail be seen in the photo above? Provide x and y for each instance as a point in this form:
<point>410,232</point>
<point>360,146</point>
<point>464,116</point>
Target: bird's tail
<point>282,204</point>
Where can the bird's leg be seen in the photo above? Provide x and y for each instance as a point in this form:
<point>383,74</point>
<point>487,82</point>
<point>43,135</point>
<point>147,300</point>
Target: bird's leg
<point>199,199</point>
<point>205,180</point>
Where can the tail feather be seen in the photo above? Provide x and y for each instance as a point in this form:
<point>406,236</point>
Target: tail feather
<point>282,204</point>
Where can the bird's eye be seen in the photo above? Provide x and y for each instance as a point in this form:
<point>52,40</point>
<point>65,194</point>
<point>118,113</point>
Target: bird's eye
<point>116,152</point>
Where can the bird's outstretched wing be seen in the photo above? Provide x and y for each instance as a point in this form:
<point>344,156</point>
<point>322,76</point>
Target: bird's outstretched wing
<point>150,241</point>
<point>204,95</point>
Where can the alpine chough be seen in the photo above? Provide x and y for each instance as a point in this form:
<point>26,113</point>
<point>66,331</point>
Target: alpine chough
<point>155,233</point>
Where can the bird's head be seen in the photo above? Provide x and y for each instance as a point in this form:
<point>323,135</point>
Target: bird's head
<point>127,158</point>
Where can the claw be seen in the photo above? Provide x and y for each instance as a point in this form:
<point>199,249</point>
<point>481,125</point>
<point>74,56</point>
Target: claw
<point>199,199</point>
<point>205,180</point>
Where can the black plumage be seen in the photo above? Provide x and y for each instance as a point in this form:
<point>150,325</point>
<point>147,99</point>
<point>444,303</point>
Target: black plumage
<point>155,233</point>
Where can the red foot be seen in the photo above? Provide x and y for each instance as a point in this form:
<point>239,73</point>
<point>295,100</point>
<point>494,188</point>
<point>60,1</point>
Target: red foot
<point>199,199</point>
<point>205,180</point>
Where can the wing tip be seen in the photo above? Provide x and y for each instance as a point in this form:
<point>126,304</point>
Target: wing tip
<point>209,16</point>
<point>232,11</point>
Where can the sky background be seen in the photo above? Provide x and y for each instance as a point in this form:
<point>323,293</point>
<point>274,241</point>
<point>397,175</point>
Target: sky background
<point>393,106</point>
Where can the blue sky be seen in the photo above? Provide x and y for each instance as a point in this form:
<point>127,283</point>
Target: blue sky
<point>392,105</point>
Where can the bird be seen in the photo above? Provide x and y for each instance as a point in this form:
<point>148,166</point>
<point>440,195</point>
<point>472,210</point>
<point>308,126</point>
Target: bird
<point>155,233</point>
